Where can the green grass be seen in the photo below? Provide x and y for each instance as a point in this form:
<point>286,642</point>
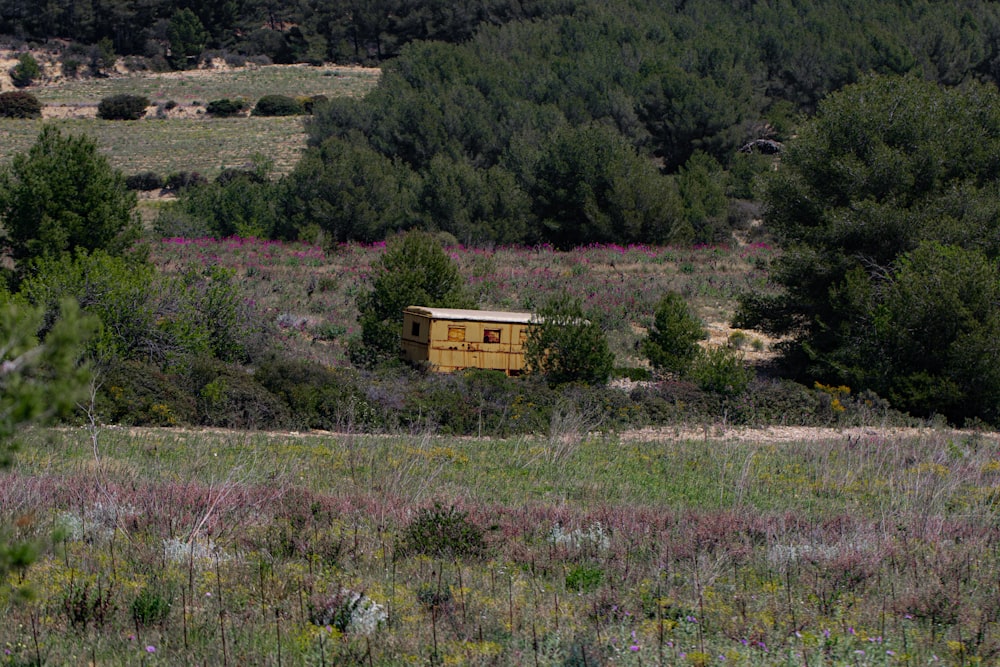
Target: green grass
<point>203,86</point>
<point>863,548</point>
<point>201,144</point>
<point>204,145</point>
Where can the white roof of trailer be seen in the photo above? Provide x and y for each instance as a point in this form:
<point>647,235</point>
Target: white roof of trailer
<point>475,315</point>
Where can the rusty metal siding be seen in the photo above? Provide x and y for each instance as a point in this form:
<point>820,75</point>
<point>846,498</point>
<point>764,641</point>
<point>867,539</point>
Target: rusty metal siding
<point>415,345</point>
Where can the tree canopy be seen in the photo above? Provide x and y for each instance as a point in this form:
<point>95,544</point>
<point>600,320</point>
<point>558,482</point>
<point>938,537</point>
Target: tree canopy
<point>564,346</point>
<point>887,208</point>
<point>62,195</point>
<point>414,271</point>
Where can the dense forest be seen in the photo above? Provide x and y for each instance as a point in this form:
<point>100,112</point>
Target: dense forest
<point>590,123</point>
<point>864,137</point>
<point>297,31</point>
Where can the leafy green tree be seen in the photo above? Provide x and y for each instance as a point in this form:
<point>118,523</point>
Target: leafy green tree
<point>62,195</point>
<point>700,106</point>
<point>39,378</point>
<point>187,38</point>
<point>889,166</point>
<point>564,346</point>
<point>103,56</point>
<point>477,206</point>
<point>702,186</point>
<point>672,342</point>
<point>935,333</point>
<point>243,203</point>
<point>414,271</point>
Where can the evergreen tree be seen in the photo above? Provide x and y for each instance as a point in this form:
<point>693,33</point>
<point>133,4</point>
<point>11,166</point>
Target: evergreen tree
<point>187,38</point>
<point>414,271</point>
<point>38,379</point>
<point>887,208</point>
<point>672,342</point>
<point>564,346</point>
<point>63,195</point>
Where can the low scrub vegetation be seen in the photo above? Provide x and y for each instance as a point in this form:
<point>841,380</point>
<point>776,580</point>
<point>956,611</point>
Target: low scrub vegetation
<point>701,549</point>
<point>122,107</point>
<point>226,107</point>
<point>19,104</point>
<point>278,105</point>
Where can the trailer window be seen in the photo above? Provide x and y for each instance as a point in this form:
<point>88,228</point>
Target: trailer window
<point>415,328</point>
<point>456,334</point>
<point>491,335</point>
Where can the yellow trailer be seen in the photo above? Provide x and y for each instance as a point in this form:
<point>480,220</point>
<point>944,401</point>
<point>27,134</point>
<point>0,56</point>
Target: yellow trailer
<point>450,339</point>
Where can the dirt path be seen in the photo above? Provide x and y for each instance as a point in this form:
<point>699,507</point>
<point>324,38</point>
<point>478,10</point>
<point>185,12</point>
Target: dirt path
<point>708,433</point>
<point>775,434</point>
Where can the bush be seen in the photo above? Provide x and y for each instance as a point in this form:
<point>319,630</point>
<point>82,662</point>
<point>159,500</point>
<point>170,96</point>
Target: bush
<point>122,107</point>
<point>70,66</point>
<point>227,176</point>
<point>672,342</point>
<point>226,107</point>
<point>278,105</point>
<point>140,394</point>
<point>174,223</point>
<point>239,203</point>
<point>566,347</point>
<point>184,179</point>
<point>233,330</point>
<point>318,397</point>
<point>474,402</point>
<point>675,401</point>
<point>584,578</point>
<point>721,370</point>
<point>18,104</point>
<point>309,103</point>
<point>144,181</point>
<point>442,533</point>
<point>230,398</point>
<point>150,607</point>
<point>26,71</point>
<point>116,289</point>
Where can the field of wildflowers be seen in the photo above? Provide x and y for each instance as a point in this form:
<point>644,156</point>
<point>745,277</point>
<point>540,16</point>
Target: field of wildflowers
<point>572,546</point>
<point>172,547</point>
<point>309,294</point>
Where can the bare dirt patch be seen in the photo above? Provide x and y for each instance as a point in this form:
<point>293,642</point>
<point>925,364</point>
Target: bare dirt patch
<point>776,434</point>
<point>710,433</point>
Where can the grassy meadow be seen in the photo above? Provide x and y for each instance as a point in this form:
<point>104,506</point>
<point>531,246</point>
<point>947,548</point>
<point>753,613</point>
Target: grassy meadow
<point>690,545</point>
<point>185,139</point>
<point>853,548</point>
<point>202,86</point>
<point>167,146</point>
